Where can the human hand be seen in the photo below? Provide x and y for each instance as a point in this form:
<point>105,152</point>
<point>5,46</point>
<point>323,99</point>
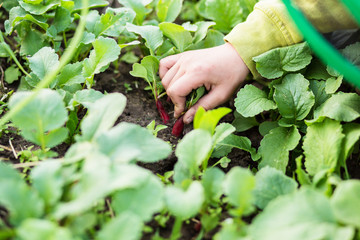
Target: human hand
<point>220,69</point>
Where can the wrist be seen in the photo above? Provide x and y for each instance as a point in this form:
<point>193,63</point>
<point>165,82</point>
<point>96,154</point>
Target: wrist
<point>235,56</point>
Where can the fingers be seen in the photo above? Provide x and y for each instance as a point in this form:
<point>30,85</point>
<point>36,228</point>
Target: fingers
<point>167,63</point>
<point>211,100</point>
<point>179,89</point>
<point>169,75</point>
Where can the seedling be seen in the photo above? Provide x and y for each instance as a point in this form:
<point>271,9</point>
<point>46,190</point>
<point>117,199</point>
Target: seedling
<point>155,129</point>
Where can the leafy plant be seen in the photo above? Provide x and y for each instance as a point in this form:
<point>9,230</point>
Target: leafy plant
<point>298,105</point>
<point>307,116</point>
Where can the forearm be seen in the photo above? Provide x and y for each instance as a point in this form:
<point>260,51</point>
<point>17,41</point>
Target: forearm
<point>269,26</point>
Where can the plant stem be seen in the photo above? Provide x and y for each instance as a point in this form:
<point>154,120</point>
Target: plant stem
<point>65,42</point>
<point>176,231</point>
<point>206,161</point>
<point>161,95</point>
<point>2,87</point>
<point>12,54</point>
<point>65,58</point>
<point>346,172</point>
<point>42,136</point>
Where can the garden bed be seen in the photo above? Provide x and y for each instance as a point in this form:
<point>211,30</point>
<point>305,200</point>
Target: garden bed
<point>87,149</point>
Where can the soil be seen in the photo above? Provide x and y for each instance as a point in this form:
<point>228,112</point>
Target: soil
<point>141,110</point>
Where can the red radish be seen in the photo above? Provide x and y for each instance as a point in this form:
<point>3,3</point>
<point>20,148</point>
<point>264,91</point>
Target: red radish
<point>178,127</point>
<point>164,116</point>
<point>197,226</point>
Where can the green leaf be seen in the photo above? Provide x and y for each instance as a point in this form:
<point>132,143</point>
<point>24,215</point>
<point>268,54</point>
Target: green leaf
<point>351,52</point>
<point>229,231</point>
<point>316,70</point>
<point>91,4</point>
<point>293,97</point>
<point>123,16</point>
<point>180,37</point>
<point>267,126</point>
<point>3,51</point>
<point>105,51</point>
<point>225,13</point>
<point>125,226</point>
<point>193,149</point>
<point>17,15</point>
<point>318,89</point>
<point>20,201</point>
<point>302,177</point>
<point>341,107</point>
<point>224,162</point>
<point>222,131</point>
<point>345,200</point>
<point>32,229</point>
<point>152,35</point>
<point>112,23</point>
<point>307,214</point>
<point>207,120</point>
<point>32,80</point>
<point>139,7</point>
<point>322,146</point>
<point>276,145</point>
<point>40,113</point>
<point>70,74</point>
<point>39,9</point>
<point>87,97</point>
<point>41,120</point>
<point>238,186</point>
<point>130,58</point>
<point>147,69</point>
<point>270,184</point>
<point>352,135</point>
<point>333,84</point>
<point>202,30</point>
<point>31,42</point>
<point>98,178</point>
<point>189,26</point>
<point>251,101</point>
<point>82,223</point>
<point>87,38</point>
<point>48,181</point>
<point>49,139</point>
<point>212,182</point>
<point>184,204</point>
<point>43,62</point>
<point>102,115</point>
<point>213,38</point>
<point>242,123</point>
<point>240,142</point>
<point>128,142</point>
<point>62,20</point>
<point>12,74</point>
<point>143,200</point>
<point>168,10</point>
<point>9,4</point>
<point>276,62</point>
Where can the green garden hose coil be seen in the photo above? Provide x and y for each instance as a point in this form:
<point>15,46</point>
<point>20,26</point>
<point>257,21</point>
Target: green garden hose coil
<point>321,47</point>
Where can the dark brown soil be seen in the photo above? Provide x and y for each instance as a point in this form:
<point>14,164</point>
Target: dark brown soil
<point>141,110</point>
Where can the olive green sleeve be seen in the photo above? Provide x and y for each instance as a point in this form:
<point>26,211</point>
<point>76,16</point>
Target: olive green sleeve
<point>269,26</point>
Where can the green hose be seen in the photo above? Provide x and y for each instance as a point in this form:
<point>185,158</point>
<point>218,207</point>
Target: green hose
<point>321,47</point>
